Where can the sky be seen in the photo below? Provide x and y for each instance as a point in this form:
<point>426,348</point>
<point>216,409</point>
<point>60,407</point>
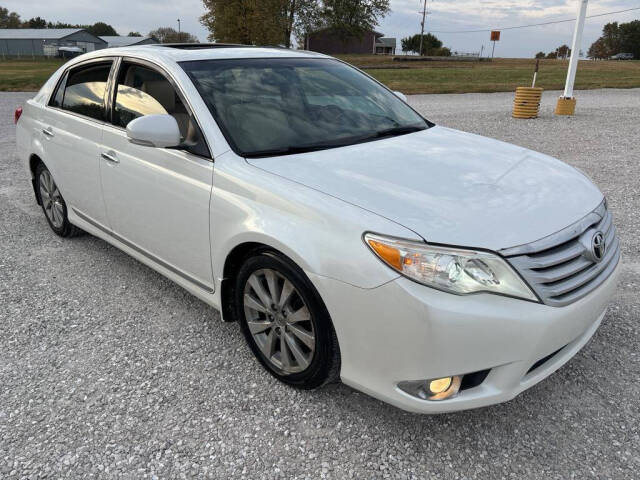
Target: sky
<point>404,19</point>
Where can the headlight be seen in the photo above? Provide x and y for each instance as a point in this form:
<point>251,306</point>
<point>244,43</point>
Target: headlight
<point>453,270</point>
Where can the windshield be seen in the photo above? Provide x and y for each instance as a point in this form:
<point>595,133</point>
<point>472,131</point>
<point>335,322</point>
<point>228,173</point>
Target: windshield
<point>278,106</point>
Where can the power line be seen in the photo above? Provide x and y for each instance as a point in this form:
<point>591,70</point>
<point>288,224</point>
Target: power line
<point>532,24</point>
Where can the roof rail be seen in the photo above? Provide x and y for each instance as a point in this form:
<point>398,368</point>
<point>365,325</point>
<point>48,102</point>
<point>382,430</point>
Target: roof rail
<point>196,46</point>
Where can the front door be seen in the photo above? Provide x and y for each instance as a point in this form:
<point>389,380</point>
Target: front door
<point>157,199</point>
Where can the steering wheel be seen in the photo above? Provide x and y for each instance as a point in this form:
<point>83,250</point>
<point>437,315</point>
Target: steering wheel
<point>339,115</point>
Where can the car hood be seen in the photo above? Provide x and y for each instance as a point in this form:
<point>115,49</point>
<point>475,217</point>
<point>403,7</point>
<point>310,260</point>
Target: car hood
<point>449,187</point>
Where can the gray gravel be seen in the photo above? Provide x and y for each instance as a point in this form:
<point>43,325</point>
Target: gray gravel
<point>109,370</point>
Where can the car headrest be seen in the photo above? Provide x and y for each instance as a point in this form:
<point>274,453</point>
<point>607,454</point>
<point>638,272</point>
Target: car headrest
<point>162,91</point>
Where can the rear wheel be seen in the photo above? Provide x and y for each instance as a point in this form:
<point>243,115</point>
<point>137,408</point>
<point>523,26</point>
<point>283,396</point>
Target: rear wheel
<point>285,322</point>
<point>53,205</point>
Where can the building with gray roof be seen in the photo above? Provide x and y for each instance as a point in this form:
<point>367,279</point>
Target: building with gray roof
<point>38,42</point>
<point>385,45</point>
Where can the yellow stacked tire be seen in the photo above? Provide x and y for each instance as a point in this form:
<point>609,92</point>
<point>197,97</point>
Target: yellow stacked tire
<point>527,102</point>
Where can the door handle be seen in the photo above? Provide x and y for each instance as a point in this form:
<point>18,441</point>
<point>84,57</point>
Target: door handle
<point>48,132</point>
<point>109,157</point>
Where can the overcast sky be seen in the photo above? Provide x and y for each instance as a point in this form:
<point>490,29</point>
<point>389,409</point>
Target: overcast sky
<point>145,15</point>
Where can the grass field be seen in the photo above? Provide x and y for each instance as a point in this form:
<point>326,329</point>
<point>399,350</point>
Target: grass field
<point>451,76</point>
<point>499,75</point>
<point>26,75</point>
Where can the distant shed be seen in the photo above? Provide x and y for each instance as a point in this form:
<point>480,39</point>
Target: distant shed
<point>38,42</point>
<point>329,41</point>
<point>386,45</point>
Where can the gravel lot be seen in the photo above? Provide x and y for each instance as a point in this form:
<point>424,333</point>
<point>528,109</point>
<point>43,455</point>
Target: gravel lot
<point>109,370</point>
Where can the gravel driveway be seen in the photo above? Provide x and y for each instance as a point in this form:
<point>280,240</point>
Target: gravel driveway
<point>109,370</point>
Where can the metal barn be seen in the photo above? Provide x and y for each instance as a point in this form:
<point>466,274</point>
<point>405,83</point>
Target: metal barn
<point>38,42</point>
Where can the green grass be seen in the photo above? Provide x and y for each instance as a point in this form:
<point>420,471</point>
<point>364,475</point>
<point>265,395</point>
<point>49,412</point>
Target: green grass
<point>26,75</point>
<point>501,75</point>
<point>448,76</point>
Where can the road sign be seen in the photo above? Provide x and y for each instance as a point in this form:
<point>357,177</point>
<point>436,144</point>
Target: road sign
<point>495,37</point>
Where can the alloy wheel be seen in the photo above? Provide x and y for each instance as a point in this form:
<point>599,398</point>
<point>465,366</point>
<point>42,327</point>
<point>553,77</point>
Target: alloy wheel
<point>51,199</point>
<point>279,321</point>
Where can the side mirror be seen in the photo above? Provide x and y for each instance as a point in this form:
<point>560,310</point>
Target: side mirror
<point>154,131</point>
<point>401,96</point>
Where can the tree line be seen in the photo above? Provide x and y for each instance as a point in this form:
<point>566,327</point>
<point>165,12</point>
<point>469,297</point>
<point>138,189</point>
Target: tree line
<point>163,34</point>
<point>12,20</point>
<point>562,51</point>
<point>617,38</point>
<point>431,45</point>
<point>278,22</point>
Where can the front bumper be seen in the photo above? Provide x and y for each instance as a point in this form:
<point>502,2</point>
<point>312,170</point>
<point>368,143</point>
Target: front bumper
<point>406,331</point>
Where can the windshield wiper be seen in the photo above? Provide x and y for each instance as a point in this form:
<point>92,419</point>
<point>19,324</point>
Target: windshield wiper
<point>401,130</point>
<point>292,149</point>
<point>289,150</point>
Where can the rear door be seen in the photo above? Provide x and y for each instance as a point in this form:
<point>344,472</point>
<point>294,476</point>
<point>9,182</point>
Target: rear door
<point>157,199</point>
<point>71,134</point>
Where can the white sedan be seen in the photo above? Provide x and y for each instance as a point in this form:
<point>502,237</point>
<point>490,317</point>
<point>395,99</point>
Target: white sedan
<point>348,236</point>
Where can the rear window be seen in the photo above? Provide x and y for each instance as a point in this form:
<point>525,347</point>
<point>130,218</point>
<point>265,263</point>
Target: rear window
<point>84,91</point>
<point>56,99</point>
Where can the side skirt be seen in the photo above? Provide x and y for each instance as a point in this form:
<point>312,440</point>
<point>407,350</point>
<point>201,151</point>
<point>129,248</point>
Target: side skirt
<point>200,289</point>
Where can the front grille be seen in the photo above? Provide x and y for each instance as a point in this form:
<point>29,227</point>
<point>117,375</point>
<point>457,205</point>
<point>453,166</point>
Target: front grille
<point>562,268</point>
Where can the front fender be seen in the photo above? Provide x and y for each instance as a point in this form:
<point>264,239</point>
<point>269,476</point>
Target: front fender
<point>322,234</point>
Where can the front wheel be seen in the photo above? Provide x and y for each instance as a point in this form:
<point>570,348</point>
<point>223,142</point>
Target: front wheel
<point>285,322</point>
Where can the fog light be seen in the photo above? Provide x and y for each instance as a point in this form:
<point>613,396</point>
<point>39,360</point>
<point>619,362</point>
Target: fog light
<point>436,389</point>
<point>439,385</point>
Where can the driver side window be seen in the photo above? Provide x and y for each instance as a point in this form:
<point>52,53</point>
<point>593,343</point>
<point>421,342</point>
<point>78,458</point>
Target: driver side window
<point>142,91</point>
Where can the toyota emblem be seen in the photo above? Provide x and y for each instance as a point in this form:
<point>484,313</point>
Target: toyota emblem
<point>598,246</point>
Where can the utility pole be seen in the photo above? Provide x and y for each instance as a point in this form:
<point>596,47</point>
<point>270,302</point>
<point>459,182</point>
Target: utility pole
<point>424,14</point>
<point>178,25</point>
<point>566,103</point>
<point>575,49</point>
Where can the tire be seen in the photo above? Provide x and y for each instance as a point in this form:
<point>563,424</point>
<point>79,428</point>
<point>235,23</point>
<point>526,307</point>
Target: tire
<point>304,363</point>
<point>53,205</point>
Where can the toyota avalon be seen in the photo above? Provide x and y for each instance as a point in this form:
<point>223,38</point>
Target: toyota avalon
<point>350,238</point>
